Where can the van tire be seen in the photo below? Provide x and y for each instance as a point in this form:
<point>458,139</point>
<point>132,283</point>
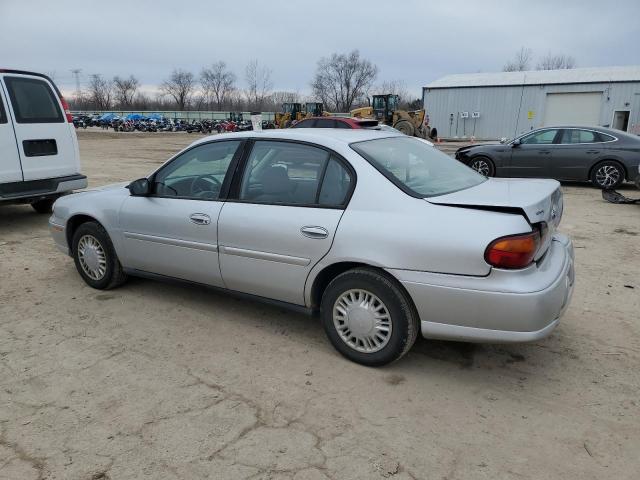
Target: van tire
<point>43,206</point>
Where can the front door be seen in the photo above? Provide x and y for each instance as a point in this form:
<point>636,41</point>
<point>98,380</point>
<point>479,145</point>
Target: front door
<point>282,222</point>
<point>10,170</point>
<point>532,157</point>
<point>174,231</point>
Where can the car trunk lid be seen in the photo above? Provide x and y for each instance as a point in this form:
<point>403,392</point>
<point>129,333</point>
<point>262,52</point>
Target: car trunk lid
<point>539,200</point>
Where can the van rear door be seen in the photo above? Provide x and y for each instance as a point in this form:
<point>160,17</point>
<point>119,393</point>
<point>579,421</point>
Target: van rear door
<point>10,170</point>
<point>46,141</point>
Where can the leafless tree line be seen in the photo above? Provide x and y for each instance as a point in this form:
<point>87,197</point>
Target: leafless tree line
<point>523,60</point>
<point>341,82</point>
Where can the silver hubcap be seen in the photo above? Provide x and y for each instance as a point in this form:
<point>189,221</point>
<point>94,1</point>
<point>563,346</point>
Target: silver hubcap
<point>482,167</point>
<point>362,321</point>
<point>606,176</point>
<point>92,257</point>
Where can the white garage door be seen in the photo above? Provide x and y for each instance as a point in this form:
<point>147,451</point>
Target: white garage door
<point>573,108</point>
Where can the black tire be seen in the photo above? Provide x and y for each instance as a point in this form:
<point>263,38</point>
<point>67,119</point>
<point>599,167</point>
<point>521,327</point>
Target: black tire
<point>404,319</point>
<point>113,275</point>
<point>433,134</point>
<point>607,174</point>
<point>43,206</point>
<point>483,165</point>
<point>405,127</point>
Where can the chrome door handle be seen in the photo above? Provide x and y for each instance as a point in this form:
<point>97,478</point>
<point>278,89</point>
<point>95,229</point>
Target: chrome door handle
<point>314,232</point>
<point>200,219</point>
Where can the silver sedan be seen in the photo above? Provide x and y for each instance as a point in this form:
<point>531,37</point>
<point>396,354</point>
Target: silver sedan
<point>381,234</point>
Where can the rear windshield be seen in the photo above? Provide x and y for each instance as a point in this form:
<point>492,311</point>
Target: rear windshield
<point>33,101</point>
<point>416,167</point>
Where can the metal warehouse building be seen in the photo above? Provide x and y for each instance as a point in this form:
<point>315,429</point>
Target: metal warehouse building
<point>497,105</point>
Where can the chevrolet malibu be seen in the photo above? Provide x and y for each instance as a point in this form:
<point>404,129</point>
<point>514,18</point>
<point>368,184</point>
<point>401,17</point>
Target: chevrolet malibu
<point>381,234</point>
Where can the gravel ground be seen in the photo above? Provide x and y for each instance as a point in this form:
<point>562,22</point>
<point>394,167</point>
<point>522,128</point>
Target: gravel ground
<point>158,381</point>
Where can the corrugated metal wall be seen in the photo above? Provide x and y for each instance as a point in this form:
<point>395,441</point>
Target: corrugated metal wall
<point>507,111</point>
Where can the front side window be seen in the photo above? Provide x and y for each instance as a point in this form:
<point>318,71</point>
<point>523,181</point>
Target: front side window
<point>197,173</point>
<point>416,167</point>
<point>283,173</point>
<point>33,101</point>
<point>544,137</point>
<point>574,135</point>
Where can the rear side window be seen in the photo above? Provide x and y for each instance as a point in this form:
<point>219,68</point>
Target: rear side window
<point>341,124</point>
<point>605,138</point>
<point>336,185</point>
<point>304,124</point>
<point>283,172</point>
<point>325,123</point>
<point>33,101</point>
<point>579,136</point>
<point>3,115</point>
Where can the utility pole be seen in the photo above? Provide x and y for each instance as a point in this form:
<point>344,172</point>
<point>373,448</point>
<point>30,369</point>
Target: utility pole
<point>76,75</point>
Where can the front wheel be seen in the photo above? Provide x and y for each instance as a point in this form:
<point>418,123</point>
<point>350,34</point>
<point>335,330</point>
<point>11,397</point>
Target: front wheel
<point>405,127</point>
<point>483,166</point>
<point>368,318</point>
<point>95,257</point>
<point>607,175</point>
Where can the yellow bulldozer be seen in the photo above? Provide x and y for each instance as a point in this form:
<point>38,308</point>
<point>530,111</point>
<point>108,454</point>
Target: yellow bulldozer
<point>290,112</point>
<point>384,108</point>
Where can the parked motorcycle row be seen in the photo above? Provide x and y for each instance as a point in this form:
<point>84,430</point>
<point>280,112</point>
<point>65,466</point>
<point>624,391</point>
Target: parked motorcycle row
<point>159,123</point>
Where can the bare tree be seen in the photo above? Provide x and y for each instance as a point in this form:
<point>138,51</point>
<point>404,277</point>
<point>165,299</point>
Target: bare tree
<point>556,62</point>
<point>125,90</point>
<point>217,83</point>
<point>100,92</point>
<point>396,87</point>
<point>258,84</point>
<point>179,86</point>
<point>278,98</point>
<point>521,61</point>
<point>343,79</point>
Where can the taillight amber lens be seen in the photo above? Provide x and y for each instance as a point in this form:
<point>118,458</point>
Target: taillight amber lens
<point>514,251</point>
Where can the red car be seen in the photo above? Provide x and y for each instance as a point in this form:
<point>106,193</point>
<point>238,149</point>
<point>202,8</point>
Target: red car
<point>335,122</point>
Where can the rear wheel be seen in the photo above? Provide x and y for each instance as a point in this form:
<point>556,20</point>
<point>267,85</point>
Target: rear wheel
<point>368,318</point>
<point>95,257</point>
<point>405,127</point>
<point>484,166</point>
<point>43,206</point>
<point>607,174</point>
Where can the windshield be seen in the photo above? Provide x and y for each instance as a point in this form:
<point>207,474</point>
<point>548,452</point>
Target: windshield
<point>416,167</point>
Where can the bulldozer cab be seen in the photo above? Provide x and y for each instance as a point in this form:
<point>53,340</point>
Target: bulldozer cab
<point>384,106</point>
<point>314,109</point>
<point>292,108</point>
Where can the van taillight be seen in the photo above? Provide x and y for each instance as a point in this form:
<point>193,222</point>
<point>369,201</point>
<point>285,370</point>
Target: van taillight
<point>514,251</point>
<point>65,107</point>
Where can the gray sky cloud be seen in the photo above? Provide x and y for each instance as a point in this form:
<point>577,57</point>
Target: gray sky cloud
<point>412,40</point>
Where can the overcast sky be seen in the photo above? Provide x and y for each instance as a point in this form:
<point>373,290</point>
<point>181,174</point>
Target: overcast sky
<point>411,40</point>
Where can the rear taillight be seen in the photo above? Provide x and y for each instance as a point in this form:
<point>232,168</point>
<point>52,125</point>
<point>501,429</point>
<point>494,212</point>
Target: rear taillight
<point>514,251</point>
<point>65,107</point>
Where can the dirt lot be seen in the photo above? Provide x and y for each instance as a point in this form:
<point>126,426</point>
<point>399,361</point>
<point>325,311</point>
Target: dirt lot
<point>160,381</point>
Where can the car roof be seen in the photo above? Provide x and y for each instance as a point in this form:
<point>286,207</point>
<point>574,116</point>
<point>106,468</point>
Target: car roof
<point>321,136</point>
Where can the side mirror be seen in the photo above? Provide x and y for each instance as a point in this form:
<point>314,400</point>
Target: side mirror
<point>140,187</point>
<point>515,143</point>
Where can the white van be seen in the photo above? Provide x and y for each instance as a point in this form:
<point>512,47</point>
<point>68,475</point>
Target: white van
<point>39,157</point>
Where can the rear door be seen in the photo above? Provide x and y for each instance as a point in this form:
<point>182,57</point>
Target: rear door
<point>10,170</point>
<point>576,152</point>
<point>283,220</point>
<point>46,141</point>
<point>532,157</point>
